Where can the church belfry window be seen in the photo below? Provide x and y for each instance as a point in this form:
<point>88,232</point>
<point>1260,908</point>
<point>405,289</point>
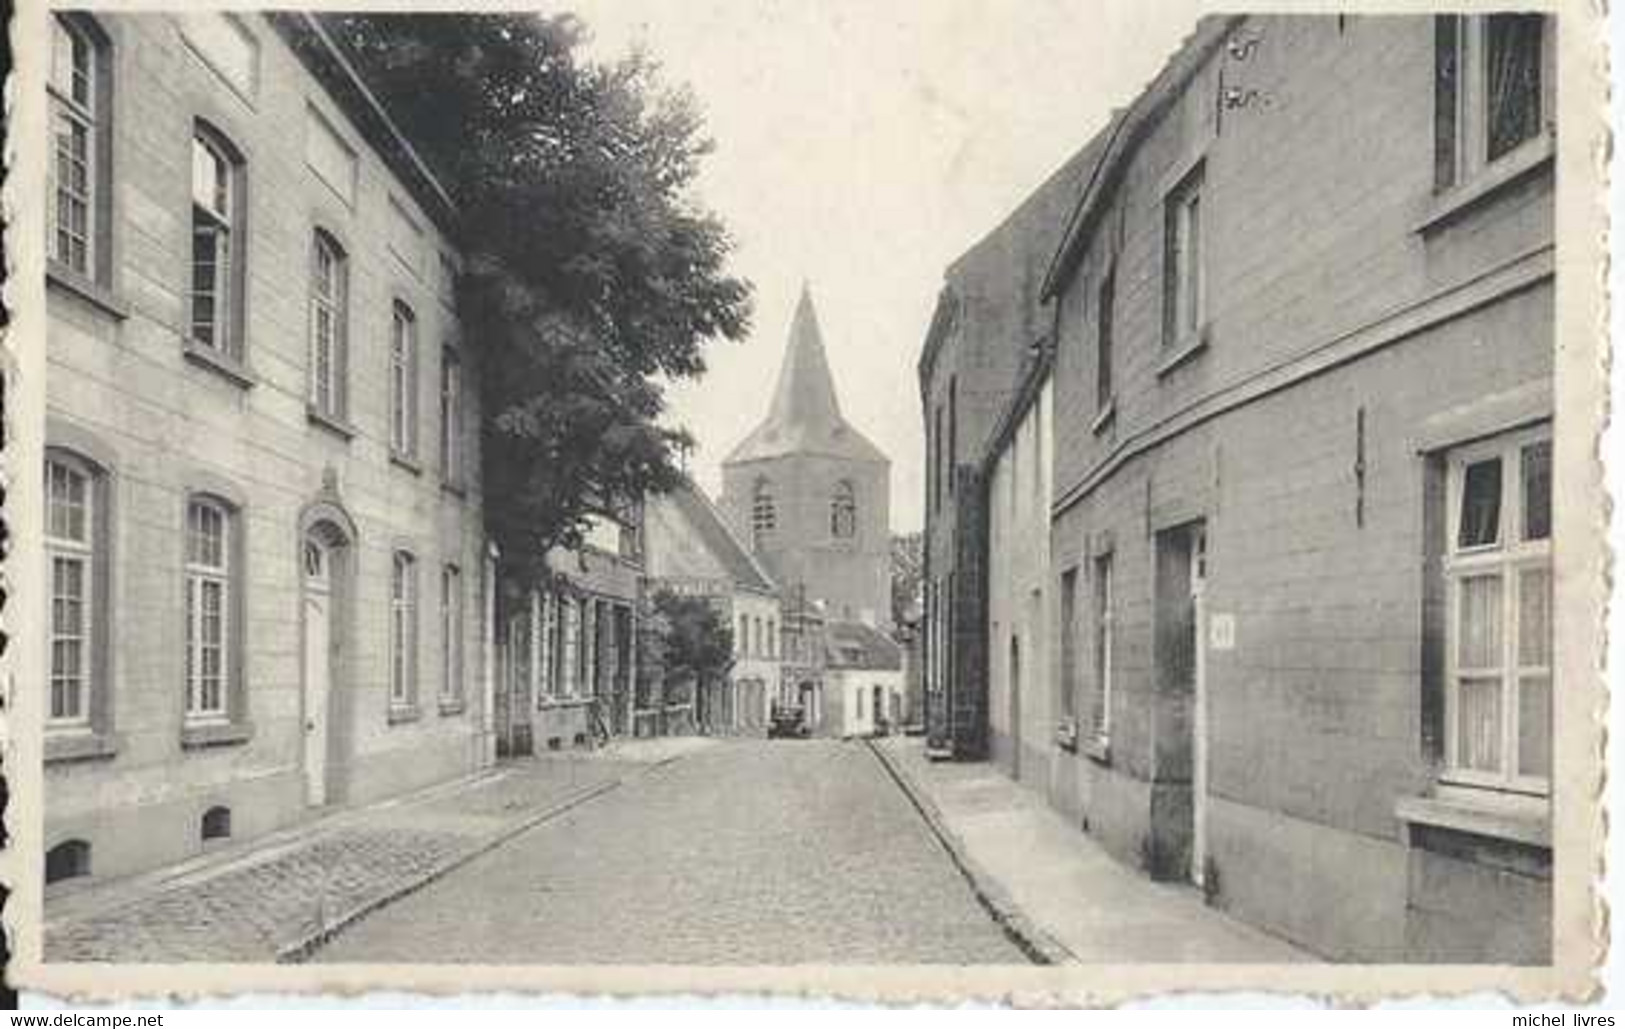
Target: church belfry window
<point>843,512</point>
<point>763,514</point>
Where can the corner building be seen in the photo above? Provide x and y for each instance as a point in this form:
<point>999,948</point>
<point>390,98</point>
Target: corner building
<point>268,577</point>
<point>1302,418</point>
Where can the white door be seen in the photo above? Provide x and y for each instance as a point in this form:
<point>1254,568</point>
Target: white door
<point>1199,703</point>
<point>318,619</point>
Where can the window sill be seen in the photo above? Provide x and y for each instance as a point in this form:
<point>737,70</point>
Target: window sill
<point>1516,817</point>
<point>215,734</point>
<point>1187,349</point>
<point>456,489</point>
<point>1449,205</point>
<point>93,293</point>
<point>1107,415</point>
<point>399,714</point>
<point>549,703</point>
<point>452,706</point>
<point>401,460</point>
<point>80,745</point>
<point>331,423</point>
<point>228,368</point>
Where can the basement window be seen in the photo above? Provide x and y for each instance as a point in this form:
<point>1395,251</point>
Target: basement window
<point>217,823</point>
<point>69,859</point>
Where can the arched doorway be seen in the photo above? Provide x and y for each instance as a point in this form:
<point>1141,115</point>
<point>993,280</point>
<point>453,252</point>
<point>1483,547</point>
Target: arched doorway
<point>324,549</point>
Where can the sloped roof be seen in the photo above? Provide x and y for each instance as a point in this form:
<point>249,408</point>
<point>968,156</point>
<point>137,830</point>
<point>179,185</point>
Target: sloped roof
<point>1122,138</point>
<point>860,646</point>
<point>992,290</point>
<point>805,417</point>
<point>706,522</point>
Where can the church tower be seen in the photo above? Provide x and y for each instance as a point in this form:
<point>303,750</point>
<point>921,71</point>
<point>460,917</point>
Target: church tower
<point>809,493</point>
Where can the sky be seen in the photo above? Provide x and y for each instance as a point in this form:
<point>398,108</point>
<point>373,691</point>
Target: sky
<point>861,146</point>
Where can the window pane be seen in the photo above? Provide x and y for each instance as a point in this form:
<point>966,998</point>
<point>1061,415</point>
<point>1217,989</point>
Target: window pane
<point>1534,617</point>
<point>1535,726</point>
<point>209,179</point>
<point>1478,626</point>
<point>1480,505</point>
<point>1478,724</point>
<point>1537,491</point>
<point>1512,55</point>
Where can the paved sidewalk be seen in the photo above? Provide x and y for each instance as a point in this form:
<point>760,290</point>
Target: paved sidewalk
<point>278,897</point>
<point>1057,888</point>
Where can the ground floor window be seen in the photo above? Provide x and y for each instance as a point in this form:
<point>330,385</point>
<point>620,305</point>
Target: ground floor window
<point>1498,634</point>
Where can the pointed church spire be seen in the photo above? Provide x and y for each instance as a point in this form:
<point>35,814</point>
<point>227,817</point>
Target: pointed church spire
<point>805,395</point>
<point>805,417</point>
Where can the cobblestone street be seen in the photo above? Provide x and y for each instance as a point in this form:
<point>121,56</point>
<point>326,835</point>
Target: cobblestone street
<point>749,852</point>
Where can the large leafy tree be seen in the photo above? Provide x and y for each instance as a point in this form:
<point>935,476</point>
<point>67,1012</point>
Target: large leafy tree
<point>591,273</point>
<point>697,640</point>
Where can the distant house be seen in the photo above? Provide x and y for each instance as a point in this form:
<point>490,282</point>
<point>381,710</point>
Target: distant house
<point>863,681</point>
<point>691,551</point>
<point>566,645</point>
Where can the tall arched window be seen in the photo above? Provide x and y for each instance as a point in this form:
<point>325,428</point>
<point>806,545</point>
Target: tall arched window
<point>211,581</point>
<point>328,308</point>
<point>217,245</point>
<point>843,512</point>
<point>73,541</point>
<point>763,515</point>
<point>403,382</point>
<point>79,108</point>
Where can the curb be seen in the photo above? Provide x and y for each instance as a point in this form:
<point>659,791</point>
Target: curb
<point>303,948</point>
<point>1039,946</point>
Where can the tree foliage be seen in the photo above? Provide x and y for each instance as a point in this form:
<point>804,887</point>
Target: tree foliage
<point>591,275</point>
<point>907,576</point>
<point>697,640</point>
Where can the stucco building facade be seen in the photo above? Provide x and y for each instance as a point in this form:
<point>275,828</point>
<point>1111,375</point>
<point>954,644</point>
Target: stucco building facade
<point>1300,550</point>
<point>269,583</point>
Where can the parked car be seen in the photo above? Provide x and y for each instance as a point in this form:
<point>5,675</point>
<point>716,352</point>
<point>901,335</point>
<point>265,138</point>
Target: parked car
<point>787,721</point>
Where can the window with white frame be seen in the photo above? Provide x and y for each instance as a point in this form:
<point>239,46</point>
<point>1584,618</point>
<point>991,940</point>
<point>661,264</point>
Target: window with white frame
<point>451,417</point>
<point>742,644</point>
<point>1100,705</point>
<point>403,590</point>
<point>1498,572</point>
<point>451,633</point>
<point>569,645</point>
<point>1067,686</point>
<point>76,97</point>
<point>216,244</point>
<point>589,647</point>
<point>1183,286</point>
<point>403,346</point>
<point>544,622</point>
<point>329,285</point>
<point>1493,90</point>
<point>70,541</point>
<point>210,582</point>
